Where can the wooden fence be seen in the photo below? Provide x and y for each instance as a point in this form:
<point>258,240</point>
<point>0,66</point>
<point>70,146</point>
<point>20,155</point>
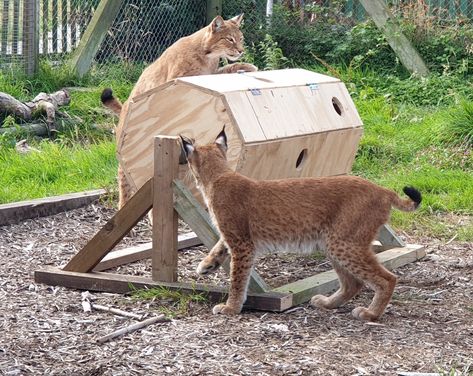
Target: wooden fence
<point>29,28</point>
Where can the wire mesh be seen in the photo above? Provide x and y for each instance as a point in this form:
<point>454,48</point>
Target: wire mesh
<point>143,29</point>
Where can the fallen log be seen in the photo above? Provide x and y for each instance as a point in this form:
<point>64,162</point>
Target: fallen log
<point>43,103</point>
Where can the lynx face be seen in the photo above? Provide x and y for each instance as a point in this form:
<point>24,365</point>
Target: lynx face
<point>226,38</point>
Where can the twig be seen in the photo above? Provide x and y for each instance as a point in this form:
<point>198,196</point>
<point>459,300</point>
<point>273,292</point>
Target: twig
<point>452,239</point>
<point>132,328</point>
<point>117,311</point>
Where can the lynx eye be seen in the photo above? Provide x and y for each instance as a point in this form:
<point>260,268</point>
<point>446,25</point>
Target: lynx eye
<point>231,40</point>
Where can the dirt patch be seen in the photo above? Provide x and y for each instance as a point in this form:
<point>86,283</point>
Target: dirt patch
<point>43,330</point>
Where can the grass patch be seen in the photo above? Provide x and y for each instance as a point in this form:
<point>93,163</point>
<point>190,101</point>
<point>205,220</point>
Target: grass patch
<point>171,303</point>
<point>55,170</point>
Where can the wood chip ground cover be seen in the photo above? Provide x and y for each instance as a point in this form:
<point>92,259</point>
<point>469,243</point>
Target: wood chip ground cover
<point>44,331</point>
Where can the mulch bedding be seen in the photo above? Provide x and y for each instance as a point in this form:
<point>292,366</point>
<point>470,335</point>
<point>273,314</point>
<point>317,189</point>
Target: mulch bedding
<point>428,327</point>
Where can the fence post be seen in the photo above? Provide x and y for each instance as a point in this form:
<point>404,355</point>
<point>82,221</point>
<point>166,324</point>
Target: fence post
<point>214,8</point>
<point>93,36</point>
<point>31,36</point>
<point>403,48</point>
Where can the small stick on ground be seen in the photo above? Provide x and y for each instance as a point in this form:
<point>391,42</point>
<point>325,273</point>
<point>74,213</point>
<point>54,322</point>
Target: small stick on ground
<point>117,311</point>
<point>132,328</point>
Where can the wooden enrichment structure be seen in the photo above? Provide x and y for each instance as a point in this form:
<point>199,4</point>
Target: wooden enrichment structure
<point>280,124</point>
<point>169,198</point>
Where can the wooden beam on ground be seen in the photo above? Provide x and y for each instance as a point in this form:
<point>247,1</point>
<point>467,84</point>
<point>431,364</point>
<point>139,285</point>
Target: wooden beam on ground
<point>326,282</point>
<point>118,283</point>
<point>19,211</point>
<point>387,237</point>
<point>90,42</point>
<point>142,252</point>
<point>167,150</point>
<point>113,231</point>
<point>199,221</point>
<point>385,21</point>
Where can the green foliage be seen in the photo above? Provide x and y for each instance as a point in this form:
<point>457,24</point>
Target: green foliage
<point>458,126</point>
<point>172,302</point>
<point>266,55</point>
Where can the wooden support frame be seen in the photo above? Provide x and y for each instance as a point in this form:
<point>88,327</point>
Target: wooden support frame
<point>84,270</point>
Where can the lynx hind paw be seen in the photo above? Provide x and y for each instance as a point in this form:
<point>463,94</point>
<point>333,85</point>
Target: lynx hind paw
<point>206,267</point>
<point>225,310</point>
<point>363,314</point>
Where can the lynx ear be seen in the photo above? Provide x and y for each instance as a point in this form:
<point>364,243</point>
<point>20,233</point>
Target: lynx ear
<point>217,23</point>
<point>187,149</point>
<point>221,140</point>
<point>237,19</point>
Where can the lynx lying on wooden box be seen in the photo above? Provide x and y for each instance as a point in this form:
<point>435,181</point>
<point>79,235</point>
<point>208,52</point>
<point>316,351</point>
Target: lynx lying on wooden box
<point>340,214</point>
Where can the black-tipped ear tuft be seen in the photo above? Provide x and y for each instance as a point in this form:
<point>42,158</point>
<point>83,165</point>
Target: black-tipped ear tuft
<point>221,140</point>
<point>187,149</point>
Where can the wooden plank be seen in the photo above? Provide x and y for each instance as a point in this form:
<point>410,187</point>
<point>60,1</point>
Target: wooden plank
<point>142,252</point>
<point>19,211</point>
<point>166,162</point>
<point>172,110</point>
<point>214,8</point>
<point>5,18</point>
<point>403,48</point>
<point>113,231</point>
<point>324,283</point>
<point>45,25</point>
<point>199,221</point>
<point>16,26</point>
<point>119,283</point>
<point>326,154</point>
<point>387,237</point>
<point>54,25</point>
<point>225,83</point>
<point>64,22</point>
<point>93,36</point>
<point>31,36</point>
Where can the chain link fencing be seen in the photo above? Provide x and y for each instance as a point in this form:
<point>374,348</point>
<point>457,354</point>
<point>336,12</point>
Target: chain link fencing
<point>297,29</point>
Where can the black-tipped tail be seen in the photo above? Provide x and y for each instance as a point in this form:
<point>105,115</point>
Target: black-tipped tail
<point>107,95</point>
<point>413,194</point>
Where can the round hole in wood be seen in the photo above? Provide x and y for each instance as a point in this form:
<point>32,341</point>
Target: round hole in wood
<point>337,106</point>
<point>301,159</point>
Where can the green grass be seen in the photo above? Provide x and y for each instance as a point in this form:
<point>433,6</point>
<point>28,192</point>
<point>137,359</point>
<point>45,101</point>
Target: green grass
<point>172,303</point>
<point>416,132</point>
<point>55,170</point>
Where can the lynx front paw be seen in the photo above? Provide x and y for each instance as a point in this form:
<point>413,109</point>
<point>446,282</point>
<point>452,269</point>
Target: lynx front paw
<point>247,67</point>
<point>364,314</point>
<point>319,301</point>
<point>225,310</point>
<point>205,267</point>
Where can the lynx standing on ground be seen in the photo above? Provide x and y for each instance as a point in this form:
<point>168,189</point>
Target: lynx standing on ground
<point>341,215</point>
<point>196,54</point>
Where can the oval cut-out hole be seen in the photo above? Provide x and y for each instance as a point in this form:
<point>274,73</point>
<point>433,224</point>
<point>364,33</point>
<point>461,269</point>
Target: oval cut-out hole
<point>301,159</point>
<point>337,106</point>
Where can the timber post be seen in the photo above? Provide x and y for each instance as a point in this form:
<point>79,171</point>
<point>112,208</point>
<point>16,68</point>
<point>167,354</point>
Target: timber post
<point>214,8</point>
<point>94,35</point>
<point>384,20</point>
